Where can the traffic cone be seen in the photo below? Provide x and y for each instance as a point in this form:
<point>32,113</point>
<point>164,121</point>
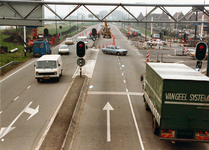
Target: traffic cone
<point>148,56</point>
<point>103,46</point>
<point>106,45</point>
<point>99,46</point>
<point>187,52</point>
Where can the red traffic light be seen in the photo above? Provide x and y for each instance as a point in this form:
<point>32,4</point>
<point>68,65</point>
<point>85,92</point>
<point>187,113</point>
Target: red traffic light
<point>201,47</point>
<point>80,45</point>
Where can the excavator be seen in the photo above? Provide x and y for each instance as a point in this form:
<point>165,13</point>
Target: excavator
<point>106,32</point>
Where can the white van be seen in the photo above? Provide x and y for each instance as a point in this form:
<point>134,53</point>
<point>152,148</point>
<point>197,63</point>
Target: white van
<point>84,39</point>
<point>48,67</point>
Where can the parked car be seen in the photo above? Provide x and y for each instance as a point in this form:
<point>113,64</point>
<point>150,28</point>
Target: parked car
<point>113,49</point>
<point>69,41</point>
<point>63,49</point>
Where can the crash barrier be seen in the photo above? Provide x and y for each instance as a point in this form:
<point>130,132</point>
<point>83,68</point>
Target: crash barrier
<point>9,64</point>
<point>73,123</point>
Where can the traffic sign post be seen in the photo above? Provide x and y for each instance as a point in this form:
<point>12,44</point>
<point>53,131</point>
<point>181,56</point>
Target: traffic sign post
<point>81,62</point>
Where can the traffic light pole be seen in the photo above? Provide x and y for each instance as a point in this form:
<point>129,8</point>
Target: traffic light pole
<point>80,72</point>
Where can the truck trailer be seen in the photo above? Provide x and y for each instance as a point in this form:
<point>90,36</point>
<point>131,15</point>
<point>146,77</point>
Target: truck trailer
<point>178,98</point>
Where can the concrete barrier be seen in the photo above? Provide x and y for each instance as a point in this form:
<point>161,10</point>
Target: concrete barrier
<point>69,135</point>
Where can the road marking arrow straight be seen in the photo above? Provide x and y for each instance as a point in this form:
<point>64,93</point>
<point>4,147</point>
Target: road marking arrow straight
<point>108,107</point>
<point>32,112</point>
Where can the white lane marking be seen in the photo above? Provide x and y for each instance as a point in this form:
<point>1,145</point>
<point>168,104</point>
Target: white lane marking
<point>122,74</point>
<point>115,93</point>
<point>27,109</point>
<point>1,112</point>
<point>124,81</point>
<point>28,87</point>
<point>91,86</point>
<point>135,122</point>
<point>16,98</point>
<point>108,107</point>
<point>18,70</point>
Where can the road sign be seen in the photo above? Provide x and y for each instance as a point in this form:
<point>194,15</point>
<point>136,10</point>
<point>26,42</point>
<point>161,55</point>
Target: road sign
<point>94,38</point>
<point>81,62</point>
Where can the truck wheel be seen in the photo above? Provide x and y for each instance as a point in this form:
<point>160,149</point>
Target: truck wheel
<point>146,106</point>
<point>155,127</point>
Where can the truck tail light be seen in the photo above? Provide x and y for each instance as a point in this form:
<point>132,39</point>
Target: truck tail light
<point>202,135</point>
<point>167,133</point>
<point>36,72</point>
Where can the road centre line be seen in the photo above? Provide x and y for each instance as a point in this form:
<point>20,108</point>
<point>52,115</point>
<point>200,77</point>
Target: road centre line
<point>16,98</point>
<point>115,93</point>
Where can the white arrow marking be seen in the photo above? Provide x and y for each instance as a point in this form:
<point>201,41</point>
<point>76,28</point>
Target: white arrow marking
<point>108,107</point>
<point>5,130</point>
<point>32,111</point>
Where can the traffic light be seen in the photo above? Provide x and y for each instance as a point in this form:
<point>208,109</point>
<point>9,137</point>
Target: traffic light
<point>201,49</point>
<point>80,49</point>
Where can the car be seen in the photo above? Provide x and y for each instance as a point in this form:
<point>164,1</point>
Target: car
<point>113,49</point>
<point>63,49</point>
<point>84,39</point>
<point>69,41</point>
<point>156,36</point>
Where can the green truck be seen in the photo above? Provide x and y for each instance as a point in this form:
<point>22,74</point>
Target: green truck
<point>178,98</point>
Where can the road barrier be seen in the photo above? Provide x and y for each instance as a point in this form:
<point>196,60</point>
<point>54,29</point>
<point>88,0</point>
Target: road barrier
<point>69,135</point>
<point>9,64</point>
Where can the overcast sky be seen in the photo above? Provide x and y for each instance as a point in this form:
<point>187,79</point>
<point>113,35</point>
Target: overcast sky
<point>134,10</point>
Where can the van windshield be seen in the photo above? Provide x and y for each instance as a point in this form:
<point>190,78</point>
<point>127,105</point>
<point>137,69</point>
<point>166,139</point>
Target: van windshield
<point>82,39</point>
<point>46,64</point>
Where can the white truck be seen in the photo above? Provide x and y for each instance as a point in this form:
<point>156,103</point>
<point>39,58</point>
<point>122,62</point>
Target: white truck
<point>48,67</point>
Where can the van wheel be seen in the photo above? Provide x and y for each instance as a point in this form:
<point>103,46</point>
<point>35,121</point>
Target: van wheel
<point>58,79</point>
<point>155,127</point>
<point>61,74</point>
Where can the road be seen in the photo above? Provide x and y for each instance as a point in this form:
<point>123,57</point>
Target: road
<point>28,107</point>
<point>113,115</point>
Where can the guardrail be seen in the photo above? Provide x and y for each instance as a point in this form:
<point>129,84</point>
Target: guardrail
<point>9,64</point>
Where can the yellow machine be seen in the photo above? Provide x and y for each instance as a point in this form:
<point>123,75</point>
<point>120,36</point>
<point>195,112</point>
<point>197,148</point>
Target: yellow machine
<point>106,32</point>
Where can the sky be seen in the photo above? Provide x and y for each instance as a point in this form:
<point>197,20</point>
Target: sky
<point>134,10</point>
